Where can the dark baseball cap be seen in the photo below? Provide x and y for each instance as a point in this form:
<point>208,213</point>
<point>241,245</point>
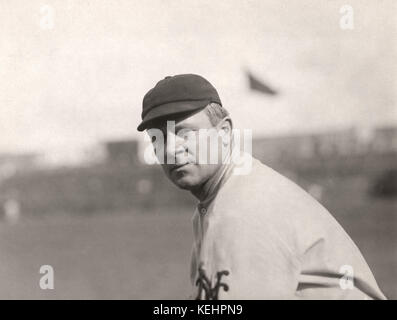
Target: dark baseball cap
<point>174,95</point>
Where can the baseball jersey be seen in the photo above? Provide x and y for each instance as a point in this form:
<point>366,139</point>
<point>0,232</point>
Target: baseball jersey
<point>260,236</point>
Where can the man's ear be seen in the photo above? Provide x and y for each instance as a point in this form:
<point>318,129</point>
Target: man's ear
<point>226,124</point>
<point>226,127</point>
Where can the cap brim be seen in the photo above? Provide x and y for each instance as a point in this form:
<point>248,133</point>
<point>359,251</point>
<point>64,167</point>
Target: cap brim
<point>169,109</point>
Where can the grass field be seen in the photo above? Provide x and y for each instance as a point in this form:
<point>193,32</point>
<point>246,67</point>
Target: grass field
<point>146,256</point>
<point>102,257</point>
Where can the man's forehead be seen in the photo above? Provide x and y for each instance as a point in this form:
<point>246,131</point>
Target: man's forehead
<point>196,120</point>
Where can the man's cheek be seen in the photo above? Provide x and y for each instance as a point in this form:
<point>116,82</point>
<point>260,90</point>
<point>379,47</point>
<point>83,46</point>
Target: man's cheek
<point>191,151</point>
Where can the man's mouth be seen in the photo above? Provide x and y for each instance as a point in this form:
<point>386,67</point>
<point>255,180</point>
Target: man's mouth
<point>178,166</point>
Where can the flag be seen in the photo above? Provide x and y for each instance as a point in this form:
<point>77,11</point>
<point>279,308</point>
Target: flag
<point>257,85</point>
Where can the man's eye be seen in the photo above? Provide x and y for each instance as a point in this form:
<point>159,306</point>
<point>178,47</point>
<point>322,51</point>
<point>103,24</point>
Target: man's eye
<point>186,132</point>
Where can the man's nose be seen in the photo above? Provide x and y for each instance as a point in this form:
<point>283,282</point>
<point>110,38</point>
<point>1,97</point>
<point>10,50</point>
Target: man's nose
<point>174,146</point>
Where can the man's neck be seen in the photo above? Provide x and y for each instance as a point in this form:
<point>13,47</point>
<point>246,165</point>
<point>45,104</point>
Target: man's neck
<point>201,192</point>
<point>210,187</point>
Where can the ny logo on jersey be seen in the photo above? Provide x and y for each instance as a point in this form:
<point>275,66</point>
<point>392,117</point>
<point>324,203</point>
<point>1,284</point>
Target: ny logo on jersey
<point>205,286</point>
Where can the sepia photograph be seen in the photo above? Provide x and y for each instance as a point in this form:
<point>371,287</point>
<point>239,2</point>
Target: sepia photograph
<point>198,150</point>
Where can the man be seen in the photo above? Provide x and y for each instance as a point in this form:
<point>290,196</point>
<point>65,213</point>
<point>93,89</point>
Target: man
<point>257,234</point>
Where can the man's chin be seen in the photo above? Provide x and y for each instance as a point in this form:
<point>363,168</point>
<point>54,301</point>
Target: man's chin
<point>183,178</point>
<point>184,184</point>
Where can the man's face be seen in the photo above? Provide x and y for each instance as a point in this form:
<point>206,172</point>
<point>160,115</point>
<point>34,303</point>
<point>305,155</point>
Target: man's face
<point>186,151</point>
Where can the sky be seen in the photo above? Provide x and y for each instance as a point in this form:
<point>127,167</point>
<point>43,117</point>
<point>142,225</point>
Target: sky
<point>80,81</point>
